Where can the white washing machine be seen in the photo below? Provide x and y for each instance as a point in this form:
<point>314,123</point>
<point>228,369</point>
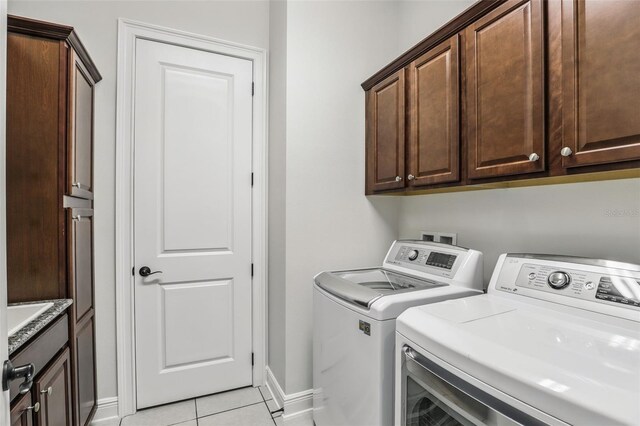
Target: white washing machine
<point>555,341</point>
<point>354,325</point>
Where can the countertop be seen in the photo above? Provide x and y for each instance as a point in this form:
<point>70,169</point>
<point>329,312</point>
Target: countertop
<point>38,323</point>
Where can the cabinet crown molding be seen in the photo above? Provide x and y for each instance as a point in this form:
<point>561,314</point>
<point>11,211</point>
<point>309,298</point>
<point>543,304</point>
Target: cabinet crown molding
<point>34,27</point>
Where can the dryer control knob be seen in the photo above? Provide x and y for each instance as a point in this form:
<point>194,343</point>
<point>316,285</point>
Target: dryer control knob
<point>559,280</point>
<point>413,255</point>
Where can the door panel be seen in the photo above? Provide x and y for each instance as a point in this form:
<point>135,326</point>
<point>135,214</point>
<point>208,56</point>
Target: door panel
<point>601,88</point>
<point>21,413</point>
<point>505,91</point>
<point>385,134</point>
<point>53,390</point>
<point>192,222</point>
<point>85,374</point>
<point>80,174</point>
<point>81,260</point>
<point>433,97</point>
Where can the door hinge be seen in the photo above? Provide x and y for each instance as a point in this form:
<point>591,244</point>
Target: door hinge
<point>252,359</point>
<point>252,180</point>
<point>133,271</point>
<point>252,270</point>
<point>253,88</point>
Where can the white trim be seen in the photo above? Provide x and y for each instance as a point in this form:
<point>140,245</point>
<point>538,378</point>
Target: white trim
<point>299,404</point>
<point>128,32</point>
<point>106,412</point>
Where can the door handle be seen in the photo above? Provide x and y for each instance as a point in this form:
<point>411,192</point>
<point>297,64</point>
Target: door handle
<point>145,271</point>
<point>11,373</point>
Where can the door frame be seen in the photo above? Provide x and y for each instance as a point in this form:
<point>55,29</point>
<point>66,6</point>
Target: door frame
<point>5,403</point>
<point>128,32</point>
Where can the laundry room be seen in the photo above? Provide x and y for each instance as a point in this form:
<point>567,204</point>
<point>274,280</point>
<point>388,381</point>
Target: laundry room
<point>386,212</point>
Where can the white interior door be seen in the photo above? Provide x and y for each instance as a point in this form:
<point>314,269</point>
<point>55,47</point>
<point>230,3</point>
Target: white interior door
<point>192,208</point>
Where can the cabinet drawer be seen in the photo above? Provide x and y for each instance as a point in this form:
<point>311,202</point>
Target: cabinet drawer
<point>42,349</point>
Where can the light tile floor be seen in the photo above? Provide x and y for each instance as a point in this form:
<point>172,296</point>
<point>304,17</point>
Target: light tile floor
<point>241,407</point>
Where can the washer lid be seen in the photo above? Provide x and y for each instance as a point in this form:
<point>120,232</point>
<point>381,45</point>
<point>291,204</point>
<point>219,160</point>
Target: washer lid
<point>362,287</point>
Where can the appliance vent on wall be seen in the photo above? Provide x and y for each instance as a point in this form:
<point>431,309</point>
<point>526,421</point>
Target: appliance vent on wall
<point>439,237</point>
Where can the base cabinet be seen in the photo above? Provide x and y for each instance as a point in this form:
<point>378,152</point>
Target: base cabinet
<point>22,411</point>
<point>85,377</point>
<point>53,392</point>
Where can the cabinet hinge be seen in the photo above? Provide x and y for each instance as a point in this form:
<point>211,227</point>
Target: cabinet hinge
<point>252,180</point>
<point>252,359</point>
<point>253,88</point>
<point>252,270</point>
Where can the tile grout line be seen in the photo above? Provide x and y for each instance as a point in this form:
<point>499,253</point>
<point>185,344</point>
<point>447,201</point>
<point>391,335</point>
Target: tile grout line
<point>231,409</point>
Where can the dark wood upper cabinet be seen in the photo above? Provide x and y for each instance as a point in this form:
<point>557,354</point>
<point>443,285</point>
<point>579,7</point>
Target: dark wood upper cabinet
<point>434,141</point>
<point>600,81</point>
<point>53,389</point>
<point>80,170</point>
<point>22,411</point>
<point>505,91</point>
<point>385,134</point>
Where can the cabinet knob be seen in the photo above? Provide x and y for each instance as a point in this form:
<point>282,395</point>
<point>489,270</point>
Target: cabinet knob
<point>398,178</point>
<point>566,151</point>
<point>47,391</point>
<point>35,407</point>
<point>534,157</point>
<point>411,177</point>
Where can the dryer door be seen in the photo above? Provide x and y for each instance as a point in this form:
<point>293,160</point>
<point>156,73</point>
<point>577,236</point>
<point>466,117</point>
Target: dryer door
<point>432,395</point>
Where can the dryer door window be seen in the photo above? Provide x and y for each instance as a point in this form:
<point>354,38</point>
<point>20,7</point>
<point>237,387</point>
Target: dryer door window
<point>432,395</point>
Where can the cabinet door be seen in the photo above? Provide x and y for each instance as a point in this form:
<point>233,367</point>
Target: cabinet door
<point>385,134</point>
<point>505,91</point>
<point>85,375</point>
<point>80,167</point>
<point>53,390</point>
<point>433,110</point>
<point>601,81</point>
<point>22,411</point>
<point>81,261</point>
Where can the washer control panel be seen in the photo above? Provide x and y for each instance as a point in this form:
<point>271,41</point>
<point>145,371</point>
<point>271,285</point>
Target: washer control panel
<point>431,258</point>
<point>577,283</point>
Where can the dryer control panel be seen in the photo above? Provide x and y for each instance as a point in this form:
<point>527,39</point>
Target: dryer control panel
<point>600,281</point>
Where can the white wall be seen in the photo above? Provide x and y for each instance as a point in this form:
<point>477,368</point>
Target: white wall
<point>597,219</point>
<point>331,48</point>
<point>419,18</point>
<point>277,188</point>
<point>96,23</point>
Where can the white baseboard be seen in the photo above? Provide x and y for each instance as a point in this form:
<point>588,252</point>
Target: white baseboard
<point>296,405</point>
<point>106,413</point>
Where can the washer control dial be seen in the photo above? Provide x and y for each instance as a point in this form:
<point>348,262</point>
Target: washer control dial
<point>413,255</point>
<point>559,280</point>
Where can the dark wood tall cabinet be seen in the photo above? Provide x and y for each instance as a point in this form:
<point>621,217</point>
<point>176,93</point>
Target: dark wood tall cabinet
<point>50,109</point>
